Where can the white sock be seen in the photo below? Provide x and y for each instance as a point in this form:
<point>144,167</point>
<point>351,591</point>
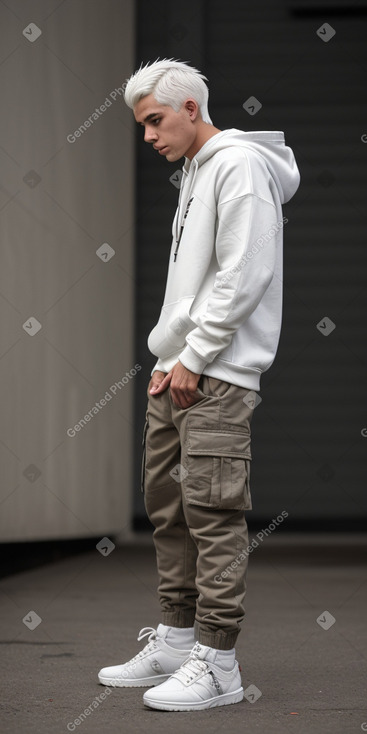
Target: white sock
<point>182,638</point>
<point>225,659</point>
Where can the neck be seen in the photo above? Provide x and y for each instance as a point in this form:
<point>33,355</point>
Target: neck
<point>205,131</point>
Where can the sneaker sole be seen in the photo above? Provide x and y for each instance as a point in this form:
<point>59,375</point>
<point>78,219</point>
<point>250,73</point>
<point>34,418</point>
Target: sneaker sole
<point>133,683</point>
<point>224,700</point>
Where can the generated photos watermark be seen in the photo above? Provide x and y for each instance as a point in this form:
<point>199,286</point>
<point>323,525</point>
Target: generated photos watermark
<point>110,393</point>
<point>254,544</point>
<point>72,725</point>
<point>255,248</point>
<point>98,112</point>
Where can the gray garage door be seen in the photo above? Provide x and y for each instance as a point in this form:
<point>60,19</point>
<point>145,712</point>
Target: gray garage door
<point>306,63</point>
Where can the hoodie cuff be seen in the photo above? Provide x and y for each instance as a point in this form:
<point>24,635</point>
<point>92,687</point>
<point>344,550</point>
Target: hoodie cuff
<point>158,366</point>
<point>192,361</point>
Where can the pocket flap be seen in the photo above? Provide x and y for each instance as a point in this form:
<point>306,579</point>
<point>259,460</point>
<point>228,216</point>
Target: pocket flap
<point>205,442</point>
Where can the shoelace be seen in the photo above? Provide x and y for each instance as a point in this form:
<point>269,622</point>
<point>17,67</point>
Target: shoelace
<point>152,636</point>
<point>151,632</point>
<point>191,668</point>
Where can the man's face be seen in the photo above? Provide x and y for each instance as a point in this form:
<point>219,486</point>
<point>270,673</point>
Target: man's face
<point>172,133</point>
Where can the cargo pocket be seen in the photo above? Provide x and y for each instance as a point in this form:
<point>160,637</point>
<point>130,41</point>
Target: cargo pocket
<point>143,460</point>
<point>218,465</point>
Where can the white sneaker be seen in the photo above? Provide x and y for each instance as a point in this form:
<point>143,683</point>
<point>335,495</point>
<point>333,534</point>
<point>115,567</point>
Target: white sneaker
<point>199,684</point>
<point>150,667</point>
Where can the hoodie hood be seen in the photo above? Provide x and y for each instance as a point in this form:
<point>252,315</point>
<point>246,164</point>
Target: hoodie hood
<point>270,145</point>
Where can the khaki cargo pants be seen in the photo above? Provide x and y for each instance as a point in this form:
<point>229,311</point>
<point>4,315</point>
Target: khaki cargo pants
<point>195,475</point>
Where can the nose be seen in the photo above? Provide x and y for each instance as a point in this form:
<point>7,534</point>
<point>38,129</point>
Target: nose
<point>150,134</point>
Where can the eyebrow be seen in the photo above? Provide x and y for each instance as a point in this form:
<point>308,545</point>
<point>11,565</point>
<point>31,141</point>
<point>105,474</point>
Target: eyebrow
<point>149,117</point>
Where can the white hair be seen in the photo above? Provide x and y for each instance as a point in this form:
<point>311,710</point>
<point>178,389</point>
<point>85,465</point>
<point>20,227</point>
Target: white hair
<point>171,82</point>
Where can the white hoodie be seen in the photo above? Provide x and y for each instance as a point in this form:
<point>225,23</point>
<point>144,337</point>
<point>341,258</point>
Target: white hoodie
<point>222,308</point>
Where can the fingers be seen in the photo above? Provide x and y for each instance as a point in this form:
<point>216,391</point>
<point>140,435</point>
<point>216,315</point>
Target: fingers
<point>184,398</point>
<point>159,382</point>
<point>183,386</point>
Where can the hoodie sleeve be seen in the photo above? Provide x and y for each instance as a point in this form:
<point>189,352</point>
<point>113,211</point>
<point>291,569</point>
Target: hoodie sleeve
<point>245,245</point>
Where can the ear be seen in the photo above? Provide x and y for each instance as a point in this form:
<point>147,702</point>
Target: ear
<point>192,108</point>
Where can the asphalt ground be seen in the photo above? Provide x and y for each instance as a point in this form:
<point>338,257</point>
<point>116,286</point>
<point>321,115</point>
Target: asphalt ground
<point>302,648</point>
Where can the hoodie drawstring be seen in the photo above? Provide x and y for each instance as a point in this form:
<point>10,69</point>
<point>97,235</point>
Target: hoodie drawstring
<point>180,222</point>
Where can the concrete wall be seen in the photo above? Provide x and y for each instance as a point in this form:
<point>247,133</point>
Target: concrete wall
<point>66,276</point>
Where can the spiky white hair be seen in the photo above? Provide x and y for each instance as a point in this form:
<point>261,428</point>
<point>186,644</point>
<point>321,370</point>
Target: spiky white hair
<point>172,82</point>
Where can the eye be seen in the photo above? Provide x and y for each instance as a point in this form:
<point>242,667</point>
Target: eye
<point>156,121</point>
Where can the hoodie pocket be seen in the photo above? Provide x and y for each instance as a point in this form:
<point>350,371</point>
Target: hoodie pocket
<point>218,469</point>
<point>179,324</point>
<point>169,335</point>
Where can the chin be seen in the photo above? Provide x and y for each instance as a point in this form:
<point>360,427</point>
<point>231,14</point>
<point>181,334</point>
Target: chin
<point>172,157</point>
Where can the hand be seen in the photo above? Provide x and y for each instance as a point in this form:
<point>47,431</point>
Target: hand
<point>156,382</point>
<point>183,384</point>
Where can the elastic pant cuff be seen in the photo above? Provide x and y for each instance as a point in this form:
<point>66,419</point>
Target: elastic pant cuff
<point>220,640</point>
<point>179,618</point>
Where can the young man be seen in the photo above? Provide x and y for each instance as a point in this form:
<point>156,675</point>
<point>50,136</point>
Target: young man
<point>218,331</point>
